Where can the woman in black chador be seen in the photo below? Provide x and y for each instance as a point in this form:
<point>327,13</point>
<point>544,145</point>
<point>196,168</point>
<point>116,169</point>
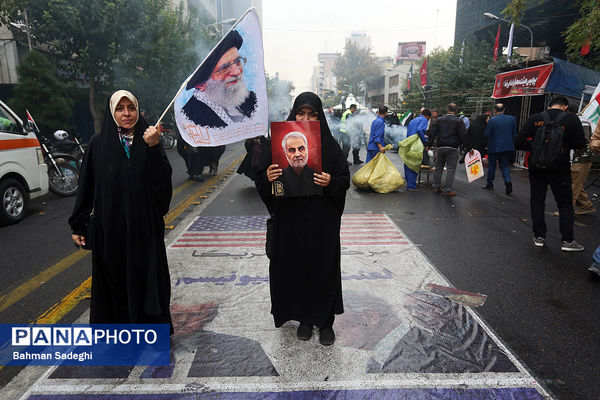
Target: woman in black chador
<point>305,274</point>
<point>124,192</point>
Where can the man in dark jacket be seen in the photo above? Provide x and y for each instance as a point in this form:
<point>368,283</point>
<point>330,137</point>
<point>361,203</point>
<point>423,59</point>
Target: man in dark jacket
<point>500,134</point>
<point>447,135</point>
<point>558,178</point>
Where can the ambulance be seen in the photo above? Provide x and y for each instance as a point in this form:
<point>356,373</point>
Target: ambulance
<point>23,173</point>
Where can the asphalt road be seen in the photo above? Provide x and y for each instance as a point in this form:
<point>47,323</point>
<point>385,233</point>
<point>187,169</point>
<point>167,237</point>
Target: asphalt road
<point>542,302</point>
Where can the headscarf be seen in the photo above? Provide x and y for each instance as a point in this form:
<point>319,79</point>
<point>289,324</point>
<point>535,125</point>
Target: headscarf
<point>125,135</point>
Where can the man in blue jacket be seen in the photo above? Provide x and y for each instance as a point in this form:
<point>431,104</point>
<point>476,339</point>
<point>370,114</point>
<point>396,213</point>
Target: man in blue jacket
<point>417,126</point>
<point>500,134</point>
<point>377,137</point>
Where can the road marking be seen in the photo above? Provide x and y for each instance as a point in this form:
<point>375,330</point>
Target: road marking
<point>60,309</point>
<point>32,284</point>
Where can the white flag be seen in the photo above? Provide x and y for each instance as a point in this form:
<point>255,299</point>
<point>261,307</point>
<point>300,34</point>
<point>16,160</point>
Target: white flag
<point>510,41</point>
<point>592,111</point>
<point>225,99</point>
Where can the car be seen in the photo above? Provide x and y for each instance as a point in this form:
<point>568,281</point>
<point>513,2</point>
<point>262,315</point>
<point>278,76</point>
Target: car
<point>23,173</point>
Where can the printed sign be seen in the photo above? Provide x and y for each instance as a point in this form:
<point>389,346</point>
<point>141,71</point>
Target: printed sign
<point>523,82</point>
<point>474,166</point>
<point>296,148</point>
<point>411,50</point>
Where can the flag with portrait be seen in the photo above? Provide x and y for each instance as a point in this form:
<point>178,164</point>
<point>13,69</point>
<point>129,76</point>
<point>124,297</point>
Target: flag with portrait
<point>225,99</point>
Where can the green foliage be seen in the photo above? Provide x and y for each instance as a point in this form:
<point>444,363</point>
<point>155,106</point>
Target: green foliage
<point>332,101</point>
<point>354,66</point>
<point>40,91</point>
<point>452,81</point>
<point>515,9</point>
<point>583,29</point>
<point>146,46</point>
<point>159,56</point>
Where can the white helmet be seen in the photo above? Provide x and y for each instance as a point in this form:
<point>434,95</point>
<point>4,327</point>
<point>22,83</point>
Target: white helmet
<point>60,134</point>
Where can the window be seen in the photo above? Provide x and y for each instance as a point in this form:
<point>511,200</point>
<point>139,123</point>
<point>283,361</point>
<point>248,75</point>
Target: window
<point>7,122</point>
<point>393,80</point>
<point>392,98</point>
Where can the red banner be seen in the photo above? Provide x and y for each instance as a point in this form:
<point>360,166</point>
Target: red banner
<point>523,82</point>
<point>497,44</point>
<point>423,72</point>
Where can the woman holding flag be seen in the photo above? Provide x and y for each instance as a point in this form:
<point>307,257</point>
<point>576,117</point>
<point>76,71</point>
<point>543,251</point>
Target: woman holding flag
<point>124,192</point>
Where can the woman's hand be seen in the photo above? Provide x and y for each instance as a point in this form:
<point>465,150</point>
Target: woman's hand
<point>152,136</point>
<point>322,179</point>
<point>78,239</point>
<point>273,172</point>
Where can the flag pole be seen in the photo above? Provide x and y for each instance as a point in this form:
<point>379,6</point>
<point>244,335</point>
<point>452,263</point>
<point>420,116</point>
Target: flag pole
<point>198,67</point>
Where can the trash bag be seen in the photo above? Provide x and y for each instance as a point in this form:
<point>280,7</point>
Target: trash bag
<point>361,178</point>
<point>411,152</point>
<point>385,177</point>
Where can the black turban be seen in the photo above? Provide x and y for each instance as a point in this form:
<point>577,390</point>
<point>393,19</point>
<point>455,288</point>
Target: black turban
<point>233,39</point>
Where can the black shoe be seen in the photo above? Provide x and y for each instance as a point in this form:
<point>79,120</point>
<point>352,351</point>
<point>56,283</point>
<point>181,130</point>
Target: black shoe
<point>508,187</point>
<point>486,187</point>
<point>358,162</point>
<point>198,178</point>
<point>349,163</point>
<point>304,331</point>
<point>326,336</point>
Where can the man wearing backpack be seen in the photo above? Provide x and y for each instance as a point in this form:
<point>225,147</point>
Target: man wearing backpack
<point>549,136</point>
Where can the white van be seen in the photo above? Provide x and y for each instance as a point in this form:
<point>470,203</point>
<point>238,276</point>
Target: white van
<point>23,173</point>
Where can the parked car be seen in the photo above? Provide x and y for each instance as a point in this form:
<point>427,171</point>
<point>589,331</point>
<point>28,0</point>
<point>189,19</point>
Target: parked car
<point>23,172</point>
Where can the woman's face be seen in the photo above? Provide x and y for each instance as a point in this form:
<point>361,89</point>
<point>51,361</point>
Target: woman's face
<point>306,114</point>
<point>126,113</point>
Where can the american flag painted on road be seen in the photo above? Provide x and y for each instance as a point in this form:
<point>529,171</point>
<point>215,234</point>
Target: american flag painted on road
<point>250,231</point>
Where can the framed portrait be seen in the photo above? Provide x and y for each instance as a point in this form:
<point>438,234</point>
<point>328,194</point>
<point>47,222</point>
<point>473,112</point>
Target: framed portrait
<point>296,148</point>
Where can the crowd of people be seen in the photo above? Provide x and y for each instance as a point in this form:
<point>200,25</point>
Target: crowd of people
<point>125,190</point>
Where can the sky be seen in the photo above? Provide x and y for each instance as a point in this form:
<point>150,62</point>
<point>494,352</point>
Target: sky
<point>295,32</point>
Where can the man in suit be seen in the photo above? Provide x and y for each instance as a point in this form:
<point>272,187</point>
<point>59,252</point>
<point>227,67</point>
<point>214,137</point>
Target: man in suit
<point>298,177</point>
<point>220,93</point>
<point>500,133</point>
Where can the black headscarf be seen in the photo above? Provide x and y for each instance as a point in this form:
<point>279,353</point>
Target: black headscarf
<point>332,157</point>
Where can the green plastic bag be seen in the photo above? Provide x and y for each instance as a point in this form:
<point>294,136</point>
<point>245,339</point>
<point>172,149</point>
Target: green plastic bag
<point>411,152</point>
<point>385,177</point>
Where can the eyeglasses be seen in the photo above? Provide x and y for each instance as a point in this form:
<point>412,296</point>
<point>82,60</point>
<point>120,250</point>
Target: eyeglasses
<point>226,68</point>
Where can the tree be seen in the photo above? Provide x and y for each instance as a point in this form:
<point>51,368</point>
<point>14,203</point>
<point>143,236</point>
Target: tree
<point>143,45</point>
<point>453,75</point>
<point>356,65</point>
<point>161,56</point>
<point>585,31</point>
<point>40,91</point>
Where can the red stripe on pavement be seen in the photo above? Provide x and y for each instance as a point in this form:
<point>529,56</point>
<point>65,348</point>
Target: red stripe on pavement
<point>229,234</point>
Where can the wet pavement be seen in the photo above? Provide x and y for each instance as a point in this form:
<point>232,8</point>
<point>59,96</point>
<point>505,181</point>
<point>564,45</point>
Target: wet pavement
<point>407,332</point>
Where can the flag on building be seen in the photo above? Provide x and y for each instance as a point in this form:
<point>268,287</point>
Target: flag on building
<point>592,111</point>
<point>497,44</point>
<point>409,78</point>
<point>225,99</point>
<point>462,53</point>
<point>423,72</point>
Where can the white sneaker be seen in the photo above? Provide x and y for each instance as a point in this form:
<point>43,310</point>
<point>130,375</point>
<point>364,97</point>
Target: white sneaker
<point>571,246</point>
<point>539,241</point>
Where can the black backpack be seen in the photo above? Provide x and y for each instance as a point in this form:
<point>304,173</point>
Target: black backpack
<point>547,146</point>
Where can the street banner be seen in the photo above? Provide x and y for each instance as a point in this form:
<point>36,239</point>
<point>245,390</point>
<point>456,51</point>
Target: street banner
<point>296,148</point>
<point>423,72</point>
<point>474,166</point>
<point>225,99</point>
<point>523,82</point>
<point>497,44</point>
<point>409,78</point>
<point>510,41</point>
<point>592,111</point>
<point>410,50</point>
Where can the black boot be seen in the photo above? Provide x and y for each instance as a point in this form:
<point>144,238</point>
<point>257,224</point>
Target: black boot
<point>356,158</point>
<point>508,187</point>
